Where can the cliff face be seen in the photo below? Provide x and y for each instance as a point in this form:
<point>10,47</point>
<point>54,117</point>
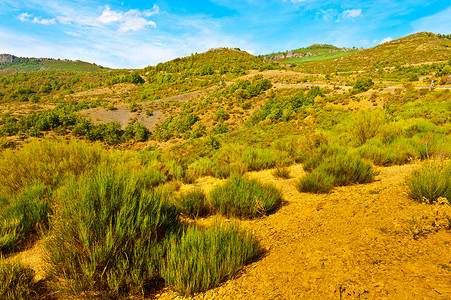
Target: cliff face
<point>6,58</point>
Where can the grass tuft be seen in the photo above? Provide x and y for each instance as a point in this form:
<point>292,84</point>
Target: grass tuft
<point>16,281</point>
<point>201,258</point>
<point>245,198</point>
<point>318,182</point>
<point>193,204</point>
<point>431,182</point>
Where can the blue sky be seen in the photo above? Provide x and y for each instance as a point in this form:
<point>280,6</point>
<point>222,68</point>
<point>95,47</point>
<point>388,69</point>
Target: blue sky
<point>138,33</point>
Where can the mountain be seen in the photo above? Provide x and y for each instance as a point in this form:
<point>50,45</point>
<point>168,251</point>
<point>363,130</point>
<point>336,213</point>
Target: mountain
<point>417,48</point>
<point>11,62</point>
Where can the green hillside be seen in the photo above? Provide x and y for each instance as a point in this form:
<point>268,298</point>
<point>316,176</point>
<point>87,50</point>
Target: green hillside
<point>36,64</point>
<point>413,49</point>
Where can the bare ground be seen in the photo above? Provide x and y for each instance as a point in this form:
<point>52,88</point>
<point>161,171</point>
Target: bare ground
<point>366,241</point>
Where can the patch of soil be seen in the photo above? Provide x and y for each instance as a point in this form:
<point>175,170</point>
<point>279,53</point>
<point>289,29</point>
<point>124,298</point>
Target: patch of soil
<point>357,242</point>
<point>124,116</point>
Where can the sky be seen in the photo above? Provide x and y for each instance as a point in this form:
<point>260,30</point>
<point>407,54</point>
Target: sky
<point>139,33</point>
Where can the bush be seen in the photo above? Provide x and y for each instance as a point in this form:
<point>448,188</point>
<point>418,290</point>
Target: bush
<point>366,125</point>
<point>316,182</point>
<point>106,235</point>
<point>256,160</point>
<point>281,172</point>
<point>241,197</point>
<point>46,161</point>
<point>431,182</point>
<point>193,204</point>
<point>202,258</point>
<point>347,169</point>
<point>20,217</point>
<point>363,85</point>
<point>16,281</point>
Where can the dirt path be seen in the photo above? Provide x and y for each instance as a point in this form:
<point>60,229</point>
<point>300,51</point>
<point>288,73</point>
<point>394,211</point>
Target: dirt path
<point>354,243</point>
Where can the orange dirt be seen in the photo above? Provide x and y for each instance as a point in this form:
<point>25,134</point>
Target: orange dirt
<point>367,241</point>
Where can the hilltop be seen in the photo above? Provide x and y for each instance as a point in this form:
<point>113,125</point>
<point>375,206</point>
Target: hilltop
<point>414,49</point>
<point>10,63</point>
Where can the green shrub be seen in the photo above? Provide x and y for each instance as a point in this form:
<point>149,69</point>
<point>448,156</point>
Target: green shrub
<point>241,197</point>
<point>21,216</point>
<point>347,169</point>
<point>256,160</point>
<point>105,235</point>
<point>202,258</point>
<point>46,161</point>
<point>363,85</point>
<point>316,182</point>
<point>366,125</point>
<point>281,172</point>
<point>193,204</point>
<point>431,182</point>
<point>16,281</point>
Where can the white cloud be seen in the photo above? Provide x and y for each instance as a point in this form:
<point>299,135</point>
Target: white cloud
<point>351,13</point>
<point>42,21</point>
<point>131,20</point>
<point>24,17</point>
<point>249,51</point>
<point>151,12</point>
<point>386,40</point>
<point>108,16</point>
<point>64,20</point>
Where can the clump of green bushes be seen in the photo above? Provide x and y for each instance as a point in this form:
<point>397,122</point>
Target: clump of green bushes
<point>193,204</point>
<point>431,182</point>
<point>200,258</point>
<point>339,168</point>
<point>245,198</point>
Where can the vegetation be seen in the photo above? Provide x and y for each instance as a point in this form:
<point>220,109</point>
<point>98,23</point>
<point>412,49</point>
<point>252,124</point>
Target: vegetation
<point>431,182</point>
<point>116,221</point>
<point>202,258</point>
<point>16,281</point>
<point>244,198</point>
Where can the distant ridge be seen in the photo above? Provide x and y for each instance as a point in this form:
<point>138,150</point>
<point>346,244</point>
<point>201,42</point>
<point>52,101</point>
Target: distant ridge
<point>14,63</point>
<point>416,48</point>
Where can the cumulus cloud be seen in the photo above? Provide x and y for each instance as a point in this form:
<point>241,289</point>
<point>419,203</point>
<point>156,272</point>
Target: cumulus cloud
<point>132,20</point>
<point>351,13</point>
<point>386,40</point>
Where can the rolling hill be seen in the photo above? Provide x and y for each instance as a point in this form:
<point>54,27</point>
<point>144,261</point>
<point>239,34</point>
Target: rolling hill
<point>13,63</point>
<point>417,48</point>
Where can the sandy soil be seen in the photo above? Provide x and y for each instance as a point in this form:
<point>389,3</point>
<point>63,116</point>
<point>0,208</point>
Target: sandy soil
<point>360,242</point>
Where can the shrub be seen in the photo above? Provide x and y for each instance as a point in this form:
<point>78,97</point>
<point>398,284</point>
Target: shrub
<point>16,281</point>
<point>202,258</point>
<point>431,182</point>
<point>347,169</point>
<point>106,235</point>
<point>363,85</point>
<point>21,217</point>
<point>256,160</point>
<point>193,204</point>
<point>366,125</point>
<point>316,182</point>
<point>45,161</point>
<point>281,172</point>
<point>241,197</point>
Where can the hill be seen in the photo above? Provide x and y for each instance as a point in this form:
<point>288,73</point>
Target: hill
<point>417,48</point>
<point>10,62</point>
<point>315,52</point>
